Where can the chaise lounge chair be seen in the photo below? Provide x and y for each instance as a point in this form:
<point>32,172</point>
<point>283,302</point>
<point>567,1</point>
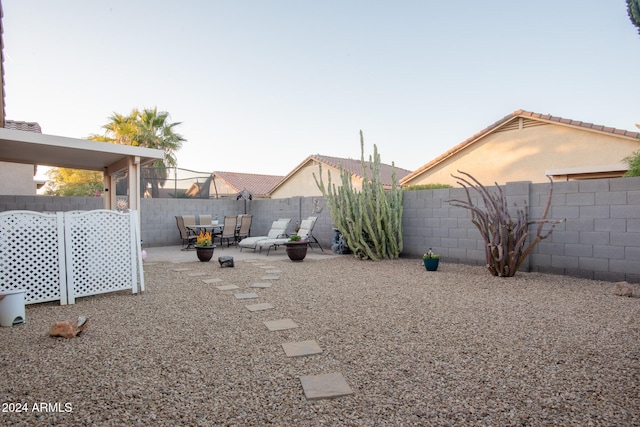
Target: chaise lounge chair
<point>305,232</point>
<point>278,230</point>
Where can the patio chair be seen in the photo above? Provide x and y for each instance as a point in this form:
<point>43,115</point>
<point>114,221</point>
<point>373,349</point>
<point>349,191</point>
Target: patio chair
<point>245,227</point>
<point>278,229</point>
<point>228,230</point>
<point>188,237</point>
<point>305,232</point>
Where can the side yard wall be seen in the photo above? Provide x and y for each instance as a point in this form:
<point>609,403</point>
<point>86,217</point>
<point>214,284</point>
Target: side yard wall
<point>600,238</point>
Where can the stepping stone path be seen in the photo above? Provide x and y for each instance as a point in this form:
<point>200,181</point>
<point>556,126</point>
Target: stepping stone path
<point>325,386</point>
<point>315,387</point>
<point>301,348</point>
<point>280,324</point>
<point>250,295</point>
<point>261,285</point>
<point>259,307</point>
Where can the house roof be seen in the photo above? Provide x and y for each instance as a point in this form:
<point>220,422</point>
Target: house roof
<point>354,167</point>
<point>2,113</point>
<point>257,185</point>
<point>541,118</point>
<point>23,126</point>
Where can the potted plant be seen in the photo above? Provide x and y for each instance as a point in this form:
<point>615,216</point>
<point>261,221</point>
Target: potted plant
<point>296,248</point>
<point>431,260</point>
<point>204,246</point>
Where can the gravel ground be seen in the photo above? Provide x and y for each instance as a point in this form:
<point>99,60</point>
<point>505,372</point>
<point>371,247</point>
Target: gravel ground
<point>452,347</point>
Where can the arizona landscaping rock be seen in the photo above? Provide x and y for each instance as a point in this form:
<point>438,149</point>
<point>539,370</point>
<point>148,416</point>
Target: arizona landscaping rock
<point>623,289</point>
<point>69,328</point>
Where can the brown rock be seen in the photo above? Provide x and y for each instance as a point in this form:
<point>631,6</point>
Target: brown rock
<point>69,328</point>
<point>623,289</point>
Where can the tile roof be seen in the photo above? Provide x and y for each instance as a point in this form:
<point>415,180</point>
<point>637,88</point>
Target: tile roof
<point>354,167</point>
<point>257,185</point>
<point>508,118</point>
<point>23,126</point>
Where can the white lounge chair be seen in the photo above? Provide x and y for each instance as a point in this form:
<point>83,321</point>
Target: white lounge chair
<point>278,230</point>
<point>306,227</point>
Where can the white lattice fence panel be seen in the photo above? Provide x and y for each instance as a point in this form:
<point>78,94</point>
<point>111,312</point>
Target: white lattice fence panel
<point>32,255</point>
<point>101,252</point>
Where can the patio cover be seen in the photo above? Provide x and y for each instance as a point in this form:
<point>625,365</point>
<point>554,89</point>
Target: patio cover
<point>59,151</point>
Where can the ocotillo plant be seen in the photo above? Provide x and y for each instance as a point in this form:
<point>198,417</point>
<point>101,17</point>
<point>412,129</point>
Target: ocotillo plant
<point>369,220</point>
<point>505,238</point>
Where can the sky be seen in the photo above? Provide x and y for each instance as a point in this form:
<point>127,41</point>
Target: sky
<point>259,86</point>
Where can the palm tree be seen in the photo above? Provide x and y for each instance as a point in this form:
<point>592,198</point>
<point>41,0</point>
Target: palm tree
<point>147,128</point>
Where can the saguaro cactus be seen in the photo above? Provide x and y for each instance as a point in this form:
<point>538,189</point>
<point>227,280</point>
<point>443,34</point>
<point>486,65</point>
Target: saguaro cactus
<point>369,220</point>
<point>505,238</point>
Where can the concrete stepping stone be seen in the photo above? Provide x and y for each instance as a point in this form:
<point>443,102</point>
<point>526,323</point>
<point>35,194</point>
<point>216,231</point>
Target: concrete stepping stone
<point>181,269</point>
<point>269,277</point>
<point>280,324</point>
<point>209,281</point>
<point>261,285</point>
<point>197,274</point>
<point>259,307</point>
<point>301,348</point>
<point>325,386</point>
<point>228,287</point>
<point>266,267</point>
<point>273,271</point>
<point>249,295</point>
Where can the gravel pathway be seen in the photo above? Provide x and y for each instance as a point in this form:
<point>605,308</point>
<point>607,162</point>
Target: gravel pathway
<point>448,348</point>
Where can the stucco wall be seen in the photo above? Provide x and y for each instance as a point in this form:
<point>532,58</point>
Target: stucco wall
<point>302,183</point>
<point>17,179</point>
<point>525,154</point>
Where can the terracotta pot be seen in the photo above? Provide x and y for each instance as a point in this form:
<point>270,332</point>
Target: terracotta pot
<point>204,252</point>
<point>296,251</point>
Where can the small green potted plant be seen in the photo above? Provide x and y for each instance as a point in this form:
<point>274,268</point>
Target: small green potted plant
<point>296,248</point>
<point>431,260</point>
<point>204,246</point>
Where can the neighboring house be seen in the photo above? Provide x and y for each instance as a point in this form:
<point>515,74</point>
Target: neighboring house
<point>526,146</point>
<point>230,184</point>
<point>16,178</point>
<point>300,181</point>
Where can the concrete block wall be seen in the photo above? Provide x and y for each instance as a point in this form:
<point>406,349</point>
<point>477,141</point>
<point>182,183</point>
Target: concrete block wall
<point>600,238</point>
<point>49,203</point>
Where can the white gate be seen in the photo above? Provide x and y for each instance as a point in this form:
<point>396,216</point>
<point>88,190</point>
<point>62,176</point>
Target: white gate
<point>62,256</point>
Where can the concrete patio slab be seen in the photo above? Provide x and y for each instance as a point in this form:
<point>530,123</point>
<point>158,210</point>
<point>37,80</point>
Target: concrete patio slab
<point>325,386</point>
<point>259,307</point>
<point>280,324</point>
<point>301,348</point>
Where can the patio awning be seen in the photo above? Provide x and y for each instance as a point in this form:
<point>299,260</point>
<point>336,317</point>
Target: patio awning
<point>59,151</point>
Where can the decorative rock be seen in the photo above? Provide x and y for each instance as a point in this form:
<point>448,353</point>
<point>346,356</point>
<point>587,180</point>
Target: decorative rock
<point>623,289</point>
<point>69,328</point>
<point>225,261</point>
